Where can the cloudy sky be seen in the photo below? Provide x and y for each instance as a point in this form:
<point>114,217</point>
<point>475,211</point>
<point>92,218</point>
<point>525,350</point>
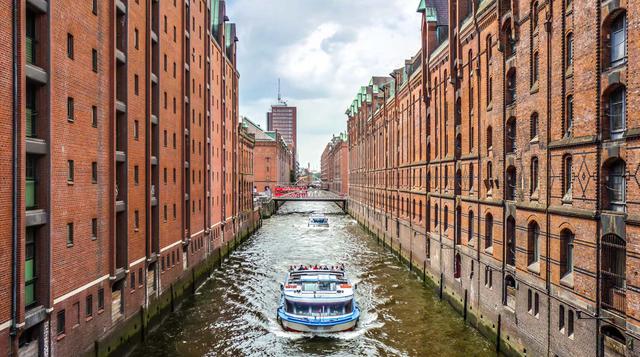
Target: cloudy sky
<point>323,51</point>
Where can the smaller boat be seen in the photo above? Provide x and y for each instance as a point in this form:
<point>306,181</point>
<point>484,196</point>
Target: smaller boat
<point>318,220</point>
<point>318,300</point>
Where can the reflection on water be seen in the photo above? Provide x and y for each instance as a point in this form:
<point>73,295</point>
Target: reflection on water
<point>234,313</point>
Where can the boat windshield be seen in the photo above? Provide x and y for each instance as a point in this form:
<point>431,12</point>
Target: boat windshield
<point>319,309</point>
<point>319,286</point>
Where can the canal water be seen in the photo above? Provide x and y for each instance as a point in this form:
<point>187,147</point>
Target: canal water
<point>234,313</point>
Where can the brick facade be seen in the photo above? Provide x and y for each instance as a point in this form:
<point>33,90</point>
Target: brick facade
<point>334,165</point>
<point>506,172</point>
<point>272,158</point>
<point>132,169</point>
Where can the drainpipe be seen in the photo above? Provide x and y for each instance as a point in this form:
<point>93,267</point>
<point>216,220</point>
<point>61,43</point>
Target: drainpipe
<point>548,28</point>
<point>14,194</point>
<point>598,178</point>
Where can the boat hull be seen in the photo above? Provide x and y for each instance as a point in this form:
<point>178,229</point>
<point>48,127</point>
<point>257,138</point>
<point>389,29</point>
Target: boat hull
<point>294,324</point>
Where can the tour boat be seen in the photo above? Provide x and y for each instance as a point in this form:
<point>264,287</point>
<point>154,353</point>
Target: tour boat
<point>317,300</point>
<point>318,220</point>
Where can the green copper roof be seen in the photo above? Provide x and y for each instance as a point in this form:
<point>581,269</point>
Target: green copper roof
<point>422,6</point>
<point>227,34</point>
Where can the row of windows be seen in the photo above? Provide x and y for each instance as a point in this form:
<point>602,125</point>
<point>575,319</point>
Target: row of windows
<point>61,317</point>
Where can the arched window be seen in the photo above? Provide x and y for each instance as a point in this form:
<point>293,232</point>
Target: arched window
<point>471,177</point>
<point>569,50</point>
<point>489,45</point>
<point>534,15</point>
<point>489,138</point>
<point>509,42</point>
<point>534,174</point>
<point>511,183</point>
<point>488,231</point>
<point>616,185</point>
<point>511,241</point>
<point>618,40</point>
<point>533,125</point>
<point>470,226</point>
<point>489,182</point>
<point>509,298</point>
<point>614,278</point>
<point>511,135</point>
<point>457,266</point>
<point>617,112</point>
<point>458,183</point>
<point>567,176</point>
<point>566,252</point>
<point>533,244</point>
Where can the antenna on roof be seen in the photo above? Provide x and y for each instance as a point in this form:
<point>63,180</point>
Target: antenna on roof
<point>279,95</point>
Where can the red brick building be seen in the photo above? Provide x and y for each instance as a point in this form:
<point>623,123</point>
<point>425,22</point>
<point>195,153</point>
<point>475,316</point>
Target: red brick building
<point>500,162</point>
<point>121,165</point>
<point>272,158</point>
<point>334,165</point>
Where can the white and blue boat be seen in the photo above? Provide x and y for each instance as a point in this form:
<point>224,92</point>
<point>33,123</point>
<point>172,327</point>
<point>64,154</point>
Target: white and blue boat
<point>317,300</point>
<point>318,220</point>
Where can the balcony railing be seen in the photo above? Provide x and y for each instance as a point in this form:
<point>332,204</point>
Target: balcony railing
<point>31,50</point>
<point>30,194</point>
<point>32,117</point>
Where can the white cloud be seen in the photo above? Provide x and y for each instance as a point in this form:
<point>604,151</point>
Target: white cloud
<point>324,51</point>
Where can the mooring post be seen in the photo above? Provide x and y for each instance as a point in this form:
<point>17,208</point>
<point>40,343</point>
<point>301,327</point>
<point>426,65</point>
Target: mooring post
<point>498,334</point>
<point>465,305</point>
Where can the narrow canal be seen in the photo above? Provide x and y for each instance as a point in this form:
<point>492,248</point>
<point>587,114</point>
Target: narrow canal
<point>234,313</point>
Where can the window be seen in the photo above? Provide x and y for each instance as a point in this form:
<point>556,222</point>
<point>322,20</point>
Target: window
<point>534,15</point>
<point>457,267</point>
<point>136,220</point>
<point>617,113</point>
<point>534,126</point>
<point>511,183</point>
<point>511,135</point>
<point>136,175</point>
<point>30,267</point>
<point>618,40</point>
<point>165,24</point>
<point>136,86</point>
<point>570,324</point>
<point>536,304</point>
<point>70,109</point>
<point>529,301</point>
<point>140,277</point>
<point>70,171</point>
<point>94,172</point>
<point>88,307</point>
<point>533,244</point>
<point>569,50</point>
<point>566,252</point>
<point>69,233</point>
<point>489,138</point>
<point>567,177</point>
<point>568,125</point>
<point>70,46</point>
<point>165,175</point>
<point>436,213</point>
<point>470,227</point>
<point>136,130</point>
<point>511,241</point>
<point>100,299</point>
<point>616,185</point>
<point>136,38</point>
<point>488,231</point>
<point>511,87</point>
<point>94,60</point>
<point>534,175</point>
<point>60,325</point>
<point>489,48</point>
<point>94,116</point>
<point>94,7</point>
<point>132,281</point>
<point>94,228</point>
<point>446,217</point>
<point>471,177</point>
<point>488,277</point>
<point>561,318</point>
<point>613,273</point>
<point>535,68</point>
